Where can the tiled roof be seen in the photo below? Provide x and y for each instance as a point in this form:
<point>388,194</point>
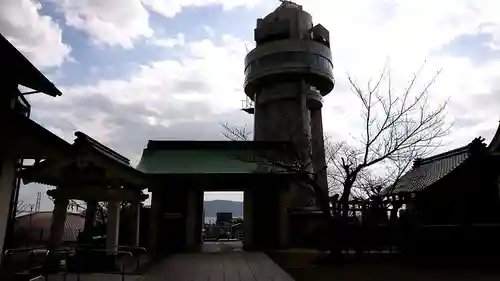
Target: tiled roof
<point>429,170</point>
<point>495,142</point>
<point>204,157</point>
<point>82,138</point>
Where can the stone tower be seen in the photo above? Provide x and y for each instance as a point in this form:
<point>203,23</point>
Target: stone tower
<point>286,77</point>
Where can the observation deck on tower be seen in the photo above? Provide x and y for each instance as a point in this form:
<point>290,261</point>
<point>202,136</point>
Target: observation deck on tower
<point>288,48</point>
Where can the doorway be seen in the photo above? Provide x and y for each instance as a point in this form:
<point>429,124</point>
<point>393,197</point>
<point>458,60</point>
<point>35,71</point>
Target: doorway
<point>223,219</point>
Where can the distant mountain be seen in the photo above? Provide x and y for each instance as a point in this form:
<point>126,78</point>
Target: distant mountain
<point>215,206</point>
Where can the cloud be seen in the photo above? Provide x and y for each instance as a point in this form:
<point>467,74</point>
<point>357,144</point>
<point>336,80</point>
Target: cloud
<point>37,36</point>
<point>108,22</point>
<point>178,41</point>
<point>174,99</point>
<point>111,24</point>
<point>170,8</point>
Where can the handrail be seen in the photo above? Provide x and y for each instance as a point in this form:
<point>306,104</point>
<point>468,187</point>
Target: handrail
<point>28,249</point>
<point>111,247</point>
<point>118,247</point>
<point>31,250</point>
<point>68,251</point>
<point>119,250</point>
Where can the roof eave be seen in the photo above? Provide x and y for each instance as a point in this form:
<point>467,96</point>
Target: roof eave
<point>494,145</point>
<point>25,73</point>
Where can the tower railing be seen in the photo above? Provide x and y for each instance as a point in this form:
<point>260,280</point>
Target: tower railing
<point>248,105</point>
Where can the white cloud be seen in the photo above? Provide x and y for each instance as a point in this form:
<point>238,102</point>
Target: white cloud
<point>205,82</point>
<point>37,36</point>
<point>170,8</point>
<point>108,22</point>
<point>178,41</point>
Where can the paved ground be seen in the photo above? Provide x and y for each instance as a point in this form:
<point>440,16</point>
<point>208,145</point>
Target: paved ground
<point>222,247</point>
<point>217,267</point>
<point>219,261</point>
<point>92,277</point>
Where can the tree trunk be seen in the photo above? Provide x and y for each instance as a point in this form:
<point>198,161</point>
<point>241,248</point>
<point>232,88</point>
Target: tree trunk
<point>344,199</point>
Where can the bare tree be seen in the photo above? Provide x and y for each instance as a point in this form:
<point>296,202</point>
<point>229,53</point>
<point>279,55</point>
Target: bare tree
<point>236,133</point>
<point>22,208</point>
<point>398,127</point>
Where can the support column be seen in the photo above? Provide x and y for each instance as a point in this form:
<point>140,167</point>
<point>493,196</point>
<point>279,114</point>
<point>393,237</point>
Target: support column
<point>135,223</point>
<point>248,218</point>
<point>191,215</point>
<point>318,148</point>
<point>284,219</point>
<point>7,179</point>
<point>58,221</point>
<point>154,221</point>
<point>8,159</point>
<point>113,224</point>
<point>90,214</point>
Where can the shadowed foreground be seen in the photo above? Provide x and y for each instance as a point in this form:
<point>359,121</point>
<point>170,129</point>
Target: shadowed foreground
<point>301,266</point>
<point>218,266</point>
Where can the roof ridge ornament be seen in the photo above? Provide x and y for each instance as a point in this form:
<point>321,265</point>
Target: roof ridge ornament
<point>494,145</point>
<point>288,2</point>
<point>477,145</point>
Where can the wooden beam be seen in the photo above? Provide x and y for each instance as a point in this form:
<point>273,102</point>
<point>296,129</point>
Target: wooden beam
<point>117,170</point>
<point>96,193</point>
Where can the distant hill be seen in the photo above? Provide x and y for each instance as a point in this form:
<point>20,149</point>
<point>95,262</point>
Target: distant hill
<point>215,206</point>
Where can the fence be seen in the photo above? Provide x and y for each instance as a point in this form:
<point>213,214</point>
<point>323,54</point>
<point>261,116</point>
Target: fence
<point>386,227</point>
<point>75,260</point>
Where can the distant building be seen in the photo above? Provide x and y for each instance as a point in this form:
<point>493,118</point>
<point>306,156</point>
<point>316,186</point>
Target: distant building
<point>224,217</point>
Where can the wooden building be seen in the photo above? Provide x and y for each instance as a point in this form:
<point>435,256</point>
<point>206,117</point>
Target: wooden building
<point>22,138</point>
<point>180,171</point>
<point>460,186</point>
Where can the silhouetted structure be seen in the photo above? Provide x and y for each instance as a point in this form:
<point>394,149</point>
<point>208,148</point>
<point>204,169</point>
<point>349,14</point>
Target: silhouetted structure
<point>286,77</point>
<point>465,178</point>
<point>22,138</point>
<point>181,171</point>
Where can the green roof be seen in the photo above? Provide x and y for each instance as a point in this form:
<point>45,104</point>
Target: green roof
<point>201,157</point>
<point>193,162</point>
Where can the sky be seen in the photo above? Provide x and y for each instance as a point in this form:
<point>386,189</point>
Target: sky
<point>134,70</point>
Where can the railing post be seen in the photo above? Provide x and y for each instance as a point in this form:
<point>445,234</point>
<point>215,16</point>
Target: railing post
<point>65,265</point>
<point>123,271</point>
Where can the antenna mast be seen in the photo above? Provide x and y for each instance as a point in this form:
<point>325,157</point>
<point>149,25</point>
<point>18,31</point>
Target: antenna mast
<point>37,204</point>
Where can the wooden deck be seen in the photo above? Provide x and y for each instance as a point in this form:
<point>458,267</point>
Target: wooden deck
<point>239,266</point>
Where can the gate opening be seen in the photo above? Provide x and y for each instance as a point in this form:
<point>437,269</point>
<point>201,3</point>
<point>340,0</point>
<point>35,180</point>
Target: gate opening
<point>223,220</point>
